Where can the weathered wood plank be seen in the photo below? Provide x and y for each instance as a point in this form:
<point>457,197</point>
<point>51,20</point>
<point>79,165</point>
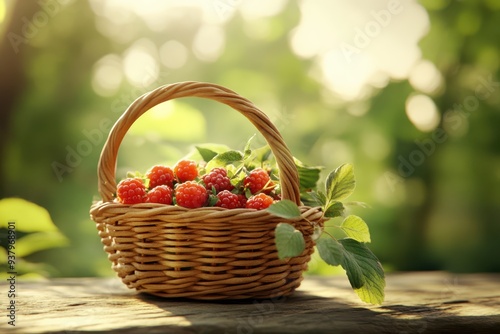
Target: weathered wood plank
<point>433,302</point>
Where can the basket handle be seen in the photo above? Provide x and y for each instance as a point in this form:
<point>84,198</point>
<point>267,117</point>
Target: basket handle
<point>106,170</point>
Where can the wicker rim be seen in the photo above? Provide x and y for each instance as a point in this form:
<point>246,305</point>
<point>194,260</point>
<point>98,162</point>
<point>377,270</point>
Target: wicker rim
<point>106,169</point>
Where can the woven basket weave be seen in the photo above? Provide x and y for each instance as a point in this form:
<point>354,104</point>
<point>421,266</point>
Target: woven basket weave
<point>204,253</point>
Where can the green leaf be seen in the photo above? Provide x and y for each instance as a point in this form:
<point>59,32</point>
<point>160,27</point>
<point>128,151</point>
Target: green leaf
<point>364,271</point>
<point>212,199</point>
<point>335,209</point>
<point>313,198</point>
<point>262,153</point>
<point>35,242</point>
<point>136,174</point>
<point>206,153</point>
<point>353,269</point>
<point>247,150</point>
<point>217,148</point>
<point>356,228</point>
<point>289,241</point>
<point>340,183</point>
<point>223,159</point>
<point>258,158</point>
<point>203,151</point>
<point>308,175</point>
<point>284,209</point>
<point>27,216</point>
<point>330,250</point>
<point>237,176</point>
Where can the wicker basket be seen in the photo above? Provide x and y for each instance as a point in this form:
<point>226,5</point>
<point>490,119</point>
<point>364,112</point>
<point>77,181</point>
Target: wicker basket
<point>204,253</point>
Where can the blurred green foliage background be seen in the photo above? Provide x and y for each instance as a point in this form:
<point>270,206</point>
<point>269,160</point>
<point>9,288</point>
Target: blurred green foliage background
<point>407,91</point>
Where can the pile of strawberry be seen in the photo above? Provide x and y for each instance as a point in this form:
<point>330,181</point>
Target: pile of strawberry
<point>188,185</point>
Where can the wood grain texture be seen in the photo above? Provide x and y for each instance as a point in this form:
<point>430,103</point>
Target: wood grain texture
<point>427,302</point>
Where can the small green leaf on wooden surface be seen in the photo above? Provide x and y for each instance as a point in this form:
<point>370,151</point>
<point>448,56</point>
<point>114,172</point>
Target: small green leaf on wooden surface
<point>356,228</point>
<point>364,271</point>
<point>284,209</point>
<point>289,241</point>
<point>330,250</point>
<point>340,183</point>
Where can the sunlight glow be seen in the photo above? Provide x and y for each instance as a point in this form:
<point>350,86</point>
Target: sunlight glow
<point>422,112</point>
<point>173,120</point>
<point>255,9</point>
<point>3,10</point>
<point>375,145</point>
<point>173,54</point>
<point>354,42</point>
<point>140,63</point>
<point>209,43</point>
<point>425,77</point>
<point>334,152</point>
<point>107,75</point>
<point>356,47</point>
<point>387,195</point>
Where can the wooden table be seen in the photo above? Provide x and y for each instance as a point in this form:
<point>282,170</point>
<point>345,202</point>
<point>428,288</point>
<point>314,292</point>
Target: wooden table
<point>426,302</point>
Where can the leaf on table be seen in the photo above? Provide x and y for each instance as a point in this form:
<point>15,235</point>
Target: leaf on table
<point>364,271</point>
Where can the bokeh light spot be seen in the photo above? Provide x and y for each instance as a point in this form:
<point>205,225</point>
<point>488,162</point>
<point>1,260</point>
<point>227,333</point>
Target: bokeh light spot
<point>422,112</point>
<point>140,65</point>
<point>107,75</point>
<point>209,43</point>
<point>173,54</point>
<point>425,77</point>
